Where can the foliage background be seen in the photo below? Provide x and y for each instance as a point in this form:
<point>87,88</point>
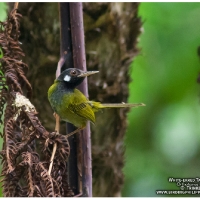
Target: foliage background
<point>163,138</point>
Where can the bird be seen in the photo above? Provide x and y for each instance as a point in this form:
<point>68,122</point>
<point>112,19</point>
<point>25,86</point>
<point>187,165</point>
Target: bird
<point>71,105</point>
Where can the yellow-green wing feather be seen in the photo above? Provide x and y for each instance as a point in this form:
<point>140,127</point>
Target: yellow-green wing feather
<point>81,107</point>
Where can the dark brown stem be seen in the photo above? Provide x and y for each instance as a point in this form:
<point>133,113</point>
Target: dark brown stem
<point>72,42</point>
<point>66,61</point>
<point>84,151</point>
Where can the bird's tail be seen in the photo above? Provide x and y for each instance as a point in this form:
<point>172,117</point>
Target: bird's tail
<point>121,105</point>
<point>96,105</point>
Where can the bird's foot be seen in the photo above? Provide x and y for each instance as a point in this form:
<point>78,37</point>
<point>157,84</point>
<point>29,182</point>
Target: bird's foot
<point>76,131</point>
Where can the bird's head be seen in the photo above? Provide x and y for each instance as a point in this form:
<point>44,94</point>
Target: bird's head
<point>72,77</point>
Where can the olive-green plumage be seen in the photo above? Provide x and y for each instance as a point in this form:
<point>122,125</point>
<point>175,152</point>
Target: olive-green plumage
<point>71,104</point>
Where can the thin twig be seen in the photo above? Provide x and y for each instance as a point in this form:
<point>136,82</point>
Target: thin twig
<point>14,12</point>
<point>76,131</point>
<point>52,157</point>
<point>57,128</point>
<point>16,6</point>
<point>61,63</point>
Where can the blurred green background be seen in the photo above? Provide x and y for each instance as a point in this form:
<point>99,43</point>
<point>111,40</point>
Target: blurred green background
<point>163,138</point>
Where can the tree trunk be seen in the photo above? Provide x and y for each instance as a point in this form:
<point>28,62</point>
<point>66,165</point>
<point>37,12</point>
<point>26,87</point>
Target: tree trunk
<point>111,31</point>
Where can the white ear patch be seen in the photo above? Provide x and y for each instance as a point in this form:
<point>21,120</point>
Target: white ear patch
<point>67,78</point>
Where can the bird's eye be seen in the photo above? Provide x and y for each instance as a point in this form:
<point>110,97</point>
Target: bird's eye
<point>73,72</point>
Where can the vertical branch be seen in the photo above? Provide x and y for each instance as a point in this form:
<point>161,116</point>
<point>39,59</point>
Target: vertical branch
<point>66,61</point>
<point>73,55</point>
<point>65,37</point>
<point>77,30</point>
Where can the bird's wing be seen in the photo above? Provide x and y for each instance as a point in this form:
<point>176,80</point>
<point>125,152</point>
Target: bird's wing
<point>81,106</point>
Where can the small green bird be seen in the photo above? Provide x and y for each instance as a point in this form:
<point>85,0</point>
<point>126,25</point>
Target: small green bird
<point>71,104</point>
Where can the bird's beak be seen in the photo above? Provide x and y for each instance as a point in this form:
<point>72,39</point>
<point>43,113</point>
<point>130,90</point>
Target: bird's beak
<point>84,74</point>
